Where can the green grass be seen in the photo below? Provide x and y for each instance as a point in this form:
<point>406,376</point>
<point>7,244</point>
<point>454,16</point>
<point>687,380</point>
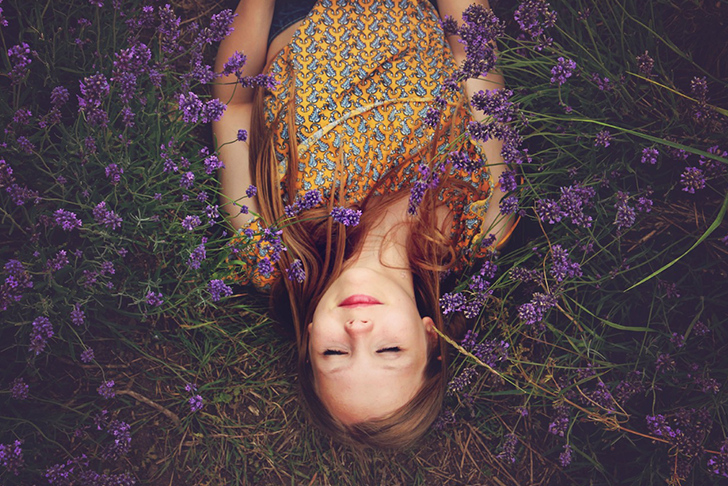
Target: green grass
<point>618,317</point>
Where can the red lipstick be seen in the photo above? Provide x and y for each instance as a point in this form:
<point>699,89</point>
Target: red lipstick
<point>359,300</point>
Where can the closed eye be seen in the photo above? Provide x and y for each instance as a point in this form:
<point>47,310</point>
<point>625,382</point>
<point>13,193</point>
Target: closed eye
<point>336,352</point>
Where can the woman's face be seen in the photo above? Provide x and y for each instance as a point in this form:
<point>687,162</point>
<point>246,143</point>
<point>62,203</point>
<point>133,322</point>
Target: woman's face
<point>368,345</point>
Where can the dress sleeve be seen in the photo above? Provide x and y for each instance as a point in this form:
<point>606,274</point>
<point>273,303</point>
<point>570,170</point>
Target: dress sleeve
<point>246,249</point>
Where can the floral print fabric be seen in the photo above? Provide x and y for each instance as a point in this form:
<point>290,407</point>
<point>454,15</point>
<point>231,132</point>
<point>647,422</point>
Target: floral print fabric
<point>364,75</point>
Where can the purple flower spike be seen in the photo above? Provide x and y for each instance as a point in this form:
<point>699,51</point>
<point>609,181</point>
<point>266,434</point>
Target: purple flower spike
<point>645,64</point>
<point>88,355</point>
<point>19,389</point>
<point>218,290</point>
<point>191,222</point>
<point>114,172</point>
<point>296,272</point>
<point>508,452</point>
<point>11,456</point>
<point>106,389</point>
<point>67,220</point>
<point>649,155</point>
<point>565,457</point>
<point>563,70</point>
<point>693,179</point>
<point>603,138</point>
<point>40,334</point>
<point>155,300</point>
<point>346,216</point>
<point>196,403</point>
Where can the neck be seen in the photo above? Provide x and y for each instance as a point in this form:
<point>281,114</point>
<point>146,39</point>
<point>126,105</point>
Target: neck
<point>384,248</point>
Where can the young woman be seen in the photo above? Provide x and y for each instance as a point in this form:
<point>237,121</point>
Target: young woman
<point>342,131</point>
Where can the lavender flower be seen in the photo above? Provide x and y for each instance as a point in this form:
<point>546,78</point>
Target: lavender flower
<point>565,456</point>
<point>187,180</point>
<point>212,163</point>
<point>20,60</point>
<point>106,217</point>
<point>213,111</point>
<point>218,290</point>
<point>507,181</point>
<point>602,83</point>
<point>509,205</point>
<point>87,355</point>
<point>561,421</point>
<point>296,271</point>
<point>196,402</point>
<point>58,262</point>
<point>67,220</point>
<point>77,315</point>
<point>603,138</point>
<point>649,155</point>
<point>40,334</point>
<point>155,300</point>
<point>11,456</point>
<point>533,312</point>
<point>59,96</point>
<point>664,363</point>
<point>529,14</point>
<point>106,389</point>
<point>242,135</point>
<point>265,267</point>
<point>461,161</point>
<point>457,384</point>
<point>563,70</point>
<point>234,65</point>
<point>169,30</point>
<point>251,191</point>
<point>549,210</point>
<point>692,180</point>
<point>452,302</point>
<point>496,103</point>
<point>645,64</point>
<point>121,431</point>
<point>94,90</point>
<point>625,217</point>
<point>417,193</point>
<point>191,222</point>
<point>699,88</point>
<point>190,106</point>
<point>718,464</point>
<point>197,255</point>
<point>19,389</point>
<point>218,29</point>
<point>22,116</point>
<point>508,449</point>
<point>114,172</point>
<point>561,266</point>
<point>346,216</point>
<point>267,81</point>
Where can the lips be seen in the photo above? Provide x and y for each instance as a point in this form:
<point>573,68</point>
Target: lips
<point>359,300</point>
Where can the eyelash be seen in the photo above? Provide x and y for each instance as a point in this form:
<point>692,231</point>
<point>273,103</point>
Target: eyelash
<point>335,352</point>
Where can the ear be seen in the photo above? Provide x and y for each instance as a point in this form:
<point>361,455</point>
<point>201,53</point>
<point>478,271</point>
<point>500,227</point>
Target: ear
<point>309,327</point>
<point>432,336</point>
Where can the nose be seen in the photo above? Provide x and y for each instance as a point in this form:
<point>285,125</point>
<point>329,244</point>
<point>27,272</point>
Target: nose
<point>358,326</point>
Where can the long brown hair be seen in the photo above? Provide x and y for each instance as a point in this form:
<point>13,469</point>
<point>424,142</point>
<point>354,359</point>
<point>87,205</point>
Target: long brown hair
<point>323,246</point>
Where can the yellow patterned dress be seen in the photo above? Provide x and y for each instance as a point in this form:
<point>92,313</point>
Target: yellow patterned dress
<point>365,75</point>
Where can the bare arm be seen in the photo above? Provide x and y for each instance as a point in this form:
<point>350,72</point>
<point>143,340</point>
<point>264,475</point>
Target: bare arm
<point>492,148</point>
<point>249,37</point>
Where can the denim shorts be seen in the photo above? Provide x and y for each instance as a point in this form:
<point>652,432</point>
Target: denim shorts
<point>288,12</point>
